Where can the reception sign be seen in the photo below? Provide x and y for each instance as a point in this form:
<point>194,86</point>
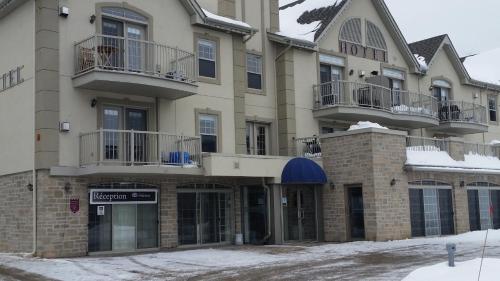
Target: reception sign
<point>123,196</point>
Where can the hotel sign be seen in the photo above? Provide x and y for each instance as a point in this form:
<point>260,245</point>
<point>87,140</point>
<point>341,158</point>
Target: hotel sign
<point>123,196</point>
<point>11,78</point>
<point>362,51</point>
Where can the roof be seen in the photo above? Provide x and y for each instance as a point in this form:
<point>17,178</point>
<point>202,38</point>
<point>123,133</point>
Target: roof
<point>484,66</point>
<point>427,48</point>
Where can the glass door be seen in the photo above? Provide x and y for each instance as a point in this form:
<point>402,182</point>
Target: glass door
<point>356,213</point>
<point>300,214</point>
<point>111,46</point>
<point>124,227</point>
<point>136,47</point>
<point>113,140</point>
<point>136,119</point>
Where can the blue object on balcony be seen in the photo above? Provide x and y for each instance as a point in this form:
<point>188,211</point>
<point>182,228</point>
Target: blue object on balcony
<point>303,171</point>
<point>175,158</point>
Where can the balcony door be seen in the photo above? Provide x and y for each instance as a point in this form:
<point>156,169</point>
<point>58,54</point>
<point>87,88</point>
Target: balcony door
<point>330,76</point>
<point>117,142</point>
<point>123,45</point>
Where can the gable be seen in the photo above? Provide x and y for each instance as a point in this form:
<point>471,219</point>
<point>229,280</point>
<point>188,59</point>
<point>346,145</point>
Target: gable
<point>370,24</point>
<point>442,66</point>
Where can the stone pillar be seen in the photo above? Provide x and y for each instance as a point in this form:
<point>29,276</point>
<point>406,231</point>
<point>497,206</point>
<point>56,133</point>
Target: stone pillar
<point>238,228</point>
<point>456,148</point>
<point>276,215</point>
<point>60,231</point>
<point>239,75</point>
<point>275,15</point>
<point>47,83</point>
<point>168,215</point>
<point>286,103</point>
<point>372,159</point>
<point>227,8</point>
<point>460,204</point>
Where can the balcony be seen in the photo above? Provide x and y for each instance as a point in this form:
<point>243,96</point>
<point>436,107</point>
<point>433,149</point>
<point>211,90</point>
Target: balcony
<point>459,117</point>
<point>136,67</point>
<point>135,149</point>
<point>353,101</point>
<point>309,147</point>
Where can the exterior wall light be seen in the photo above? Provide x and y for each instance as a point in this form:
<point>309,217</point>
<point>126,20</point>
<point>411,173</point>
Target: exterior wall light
<point>462,184</point>
<point>92,19</point>
<point>29,186</point>
<point>64,11</point>
<point>67,187</point>
<point>93,103</point>
<point>332,185</point>
<point>393,182</point>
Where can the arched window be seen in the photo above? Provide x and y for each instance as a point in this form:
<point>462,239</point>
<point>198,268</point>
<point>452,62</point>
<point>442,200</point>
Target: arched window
<point>429,183</point>
<point>351,31</point>
<point>374,37</point>
<point>124,13</point>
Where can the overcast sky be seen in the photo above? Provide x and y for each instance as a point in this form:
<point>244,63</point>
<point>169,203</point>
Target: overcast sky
<point>473,26</point>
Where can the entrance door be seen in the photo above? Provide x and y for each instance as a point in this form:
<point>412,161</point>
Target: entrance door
<point>136,47</point>
<point>356,213</point>
<point>124,227</point>
<point>300,211</point>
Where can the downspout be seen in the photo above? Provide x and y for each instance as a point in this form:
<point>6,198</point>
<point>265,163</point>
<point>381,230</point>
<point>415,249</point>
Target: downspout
<point>34,186</point>
<point>268,192</point>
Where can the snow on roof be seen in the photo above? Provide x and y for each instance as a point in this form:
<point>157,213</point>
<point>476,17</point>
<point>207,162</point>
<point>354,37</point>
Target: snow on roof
<point>224,19</point>
<point>422,62</point>
<point>442,159</point>
<point>485,66</point>
<point>289,26</point>
<point>365,125</point>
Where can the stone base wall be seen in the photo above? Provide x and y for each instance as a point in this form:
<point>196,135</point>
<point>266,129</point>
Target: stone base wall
<point>16,213</point>
<point>63,232</point>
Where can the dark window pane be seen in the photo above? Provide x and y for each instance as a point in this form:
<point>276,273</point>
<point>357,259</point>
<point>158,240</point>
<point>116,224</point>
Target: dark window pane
<point>147,226</point>
<point>99,229</point>
<point>208,143</point>
<point>206,68</point>
<point>474,217</point>
<point>493,115</point>
<point>254,81</point>
<point>446,212</point>
<point>187,218</point>
<point>495,206</point>
<point>417,212</point>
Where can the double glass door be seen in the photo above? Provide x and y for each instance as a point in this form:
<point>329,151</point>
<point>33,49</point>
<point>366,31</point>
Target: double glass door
<point>203,217</point>
<point>123,45</point>
<point>331,87</point>
<point>300,213</point>
<point>118,144</point>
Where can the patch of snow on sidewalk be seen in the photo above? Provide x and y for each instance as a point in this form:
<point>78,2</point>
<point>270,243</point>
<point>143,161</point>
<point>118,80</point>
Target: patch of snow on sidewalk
<point>463,271</point>
<point>366,125</point>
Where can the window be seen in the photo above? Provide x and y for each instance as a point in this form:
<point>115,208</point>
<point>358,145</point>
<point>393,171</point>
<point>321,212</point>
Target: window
<point>208,132</point>
<point>331,84</point>
<point>207,58</point>
<point>492,108</point>
<point>254,71</point>
<point>257,138</point>
<point>442,94</point>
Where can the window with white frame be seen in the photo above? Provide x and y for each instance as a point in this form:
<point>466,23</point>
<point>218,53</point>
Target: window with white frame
<point>257,138</point>
<point>441,90</point>
<point>492,108</point>
<point>207,58</point>
<point>254,71</point>
<point>208,125</point>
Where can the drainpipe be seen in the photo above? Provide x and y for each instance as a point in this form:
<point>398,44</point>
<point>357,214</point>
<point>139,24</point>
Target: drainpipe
<point>35,187</point>
<point>268,192</point>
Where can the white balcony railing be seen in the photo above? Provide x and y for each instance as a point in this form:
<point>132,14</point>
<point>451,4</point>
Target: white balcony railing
<point>345,93</point>
<point>308,147</point>
<point>461,111</point>
<point>112,53</point>
<point>137,148</point>
<point>434,144</point>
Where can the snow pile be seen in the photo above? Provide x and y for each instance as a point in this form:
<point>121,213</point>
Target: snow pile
<point>495,142</point>
<point>289,26</point>
<point>213,16</point>
<point>463,271</point>
<point>441,159</point>
<point>484,66</point>
<point>421,61</point>
<point>365,125</point>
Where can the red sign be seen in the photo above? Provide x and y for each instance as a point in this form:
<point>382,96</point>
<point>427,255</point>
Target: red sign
<point>74,205</point>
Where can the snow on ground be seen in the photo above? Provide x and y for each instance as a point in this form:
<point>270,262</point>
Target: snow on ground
<point>365,125</point>
<point>289,26</point>
<point>183,264</point>
<point>484,66</point>
<point>416,157</point>
<point>463,271</point>
<point>224,19</point>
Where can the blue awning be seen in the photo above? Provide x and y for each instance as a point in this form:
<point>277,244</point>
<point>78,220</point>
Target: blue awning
<point>303,171</point>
